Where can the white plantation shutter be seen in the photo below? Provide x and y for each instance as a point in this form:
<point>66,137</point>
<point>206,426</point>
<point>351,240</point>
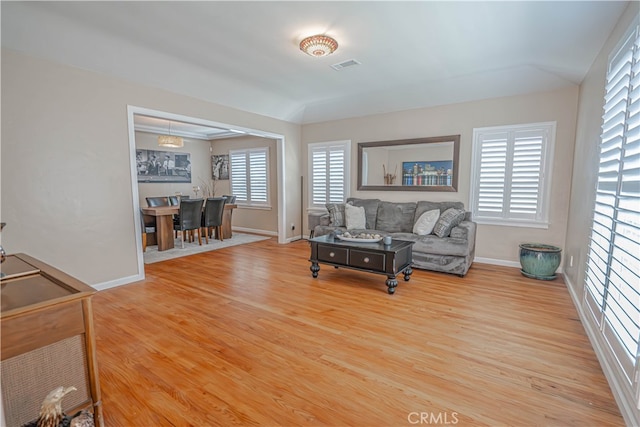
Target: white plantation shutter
<point>612,292</point>
<point>238,175</point>
<point>510,176</point>
<point>525,179</point>
<point>258,176</point>
<point>491,180</point>
<point>329,172</point>
<point>250,176</point>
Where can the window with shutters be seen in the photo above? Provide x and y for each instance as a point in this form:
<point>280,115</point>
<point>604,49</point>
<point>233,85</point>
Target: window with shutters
<point>612,290</point>
<point>328,172</point>
<point>511,174</point>
<point>249,176</point>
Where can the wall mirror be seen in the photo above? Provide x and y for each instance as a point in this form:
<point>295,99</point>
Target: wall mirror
<point>421,164</point>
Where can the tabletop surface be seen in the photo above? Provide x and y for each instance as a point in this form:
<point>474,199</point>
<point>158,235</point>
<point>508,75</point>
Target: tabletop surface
<point>395,245</point>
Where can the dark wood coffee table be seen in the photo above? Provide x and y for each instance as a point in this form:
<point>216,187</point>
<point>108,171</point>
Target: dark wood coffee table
<point>378,258</point>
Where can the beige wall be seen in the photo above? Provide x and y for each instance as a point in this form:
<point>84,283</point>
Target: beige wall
<point>66,172</point>
<point>200,167</point>
<point>493,242</point>
<point>252,219</point>
<point>586,156</point>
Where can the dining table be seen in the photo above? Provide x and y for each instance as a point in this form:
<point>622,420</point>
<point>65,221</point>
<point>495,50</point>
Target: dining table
<point>164,223</point>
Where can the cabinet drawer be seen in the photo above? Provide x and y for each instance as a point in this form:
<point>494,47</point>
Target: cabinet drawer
<point>333,254</point>
<point>368,260</point>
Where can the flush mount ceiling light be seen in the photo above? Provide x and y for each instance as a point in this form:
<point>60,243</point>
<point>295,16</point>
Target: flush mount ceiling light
<point>170,141</point>
<point>318,45</point>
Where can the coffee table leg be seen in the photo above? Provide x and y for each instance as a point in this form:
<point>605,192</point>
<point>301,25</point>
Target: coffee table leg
<point>314,269</point>
<point>407,273</point>
<point>391,284</point>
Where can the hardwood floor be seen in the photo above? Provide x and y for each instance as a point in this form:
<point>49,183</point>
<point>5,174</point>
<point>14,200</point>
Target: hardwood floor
<point>245,336</point>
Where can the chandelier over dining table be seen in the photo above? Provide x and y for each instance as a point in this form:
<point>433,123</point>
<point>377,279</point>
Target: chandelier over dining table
<point>170,141</point>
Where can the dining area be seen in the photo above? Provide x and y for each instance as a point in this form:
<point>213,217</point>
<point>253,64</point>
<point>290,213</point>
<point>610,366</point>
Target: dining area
<point>165,218</point>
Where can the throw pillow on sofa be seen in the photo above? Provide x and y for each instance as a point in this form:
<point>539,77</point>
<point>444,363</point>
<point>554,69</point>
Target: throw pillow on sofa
<point>424,225</point>
<point>370,209</point>
<point>336,214</point>
<point>354,217</point>
<point>449,219</point>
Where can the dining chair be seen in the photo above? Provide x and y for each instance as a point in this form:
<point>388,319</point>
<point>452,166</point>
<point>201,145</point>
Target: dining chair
<point>190,218</point>
<point>230,199</point>
<point>175,201</point>
<point>212,216</point>
<point>148,226</point>
<point>153,202</point>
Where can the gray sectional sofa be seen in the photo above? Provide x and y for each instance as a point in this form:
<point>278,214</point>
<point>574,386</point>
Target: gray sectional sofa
<point>451,253</point>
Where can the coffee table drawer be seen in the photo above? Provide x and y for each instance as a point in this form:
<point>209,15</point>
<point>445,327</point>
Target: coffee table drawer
<point>368,260</point>
<point>333,254</point>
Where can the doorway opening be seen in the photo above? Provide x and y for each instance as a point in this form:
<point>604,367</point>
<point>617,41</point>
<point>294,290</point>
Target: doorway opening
<point>216,128</point>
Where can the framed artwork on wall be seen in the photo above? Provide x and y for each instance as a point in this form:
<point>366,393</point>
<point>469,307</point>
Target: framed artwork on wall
<point>163,166</point>
<point>220,167</point>
<point>437,173</point>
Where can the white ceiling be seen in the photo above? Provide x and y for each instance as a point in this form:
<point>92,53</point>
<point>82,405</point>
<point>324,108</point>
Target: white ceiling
<point>245,54</point>
<point>163,126</point>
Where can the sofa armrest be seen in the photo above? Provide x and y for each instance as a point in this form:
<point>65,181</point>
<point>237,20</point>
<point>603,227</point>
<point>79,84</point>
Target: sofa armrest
<point>466,230</point>
<point>314,218</point>
<point>325,219</point>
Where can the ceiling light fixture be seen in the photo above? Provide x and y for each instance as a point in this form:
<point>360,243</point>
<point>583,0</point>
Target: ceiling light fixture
<point>318,45</point>
<point>170,141</point>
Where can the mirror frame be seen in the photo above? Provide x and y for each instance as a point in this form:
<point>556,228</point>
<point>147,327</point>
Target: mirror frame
<point>431,140</point>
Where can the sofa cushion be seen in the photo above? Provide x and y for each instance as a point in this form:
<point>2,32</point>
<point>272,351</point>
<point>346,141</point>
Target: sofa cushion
<point>395,217</point>
<point>354,217</point>
<point>449,219</point>
<point>424,206</point>
<point>424,225</point>
<point>435,245</point>
<point>370,209</point>
<point>336,214</point>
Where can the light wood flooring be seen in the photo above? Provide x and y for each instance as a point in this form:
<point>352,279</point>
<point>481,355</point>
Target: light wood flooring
<point>245,336</point>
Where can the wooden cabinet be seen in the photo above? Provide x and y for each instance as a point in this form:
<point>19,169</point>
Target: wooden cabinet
<point>47,340</point>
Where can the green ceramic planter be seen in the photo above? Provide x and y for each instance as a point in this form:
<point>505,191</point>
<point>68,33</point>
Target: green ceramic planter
<point>539,261</point>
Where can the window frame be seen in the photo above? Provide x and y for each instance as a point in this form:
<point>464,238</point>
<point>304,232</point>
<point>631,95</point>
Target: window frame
<point>249,203</point>
<point>345,146</point>
<point>612,258</point>
<point>505,218</point>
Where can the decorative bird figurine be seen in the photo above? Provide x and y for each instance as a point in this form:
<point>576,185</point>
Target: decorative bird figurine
<point>51,414</point>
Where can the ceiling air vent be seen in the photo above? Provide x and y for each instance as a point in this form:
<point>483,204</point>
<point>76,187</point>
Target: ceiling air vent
<point>348,63</point>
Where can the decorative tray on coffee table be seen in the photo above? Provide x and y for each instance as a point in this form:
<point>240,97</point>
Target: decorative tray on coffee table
<point>359,239</point>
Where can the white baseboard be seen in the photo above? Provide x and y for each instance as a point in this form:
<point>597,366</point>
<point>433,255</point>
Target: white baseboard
<point>267,233</point>
<point>255,231</point>
<point>493,261</point>
<point>118,282</point>
<point>624,397</point>
<point>504,263</point>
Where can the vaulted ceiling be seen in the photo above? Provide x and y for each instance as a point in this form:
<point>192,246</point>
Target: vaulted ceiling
<point>245,55</point>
